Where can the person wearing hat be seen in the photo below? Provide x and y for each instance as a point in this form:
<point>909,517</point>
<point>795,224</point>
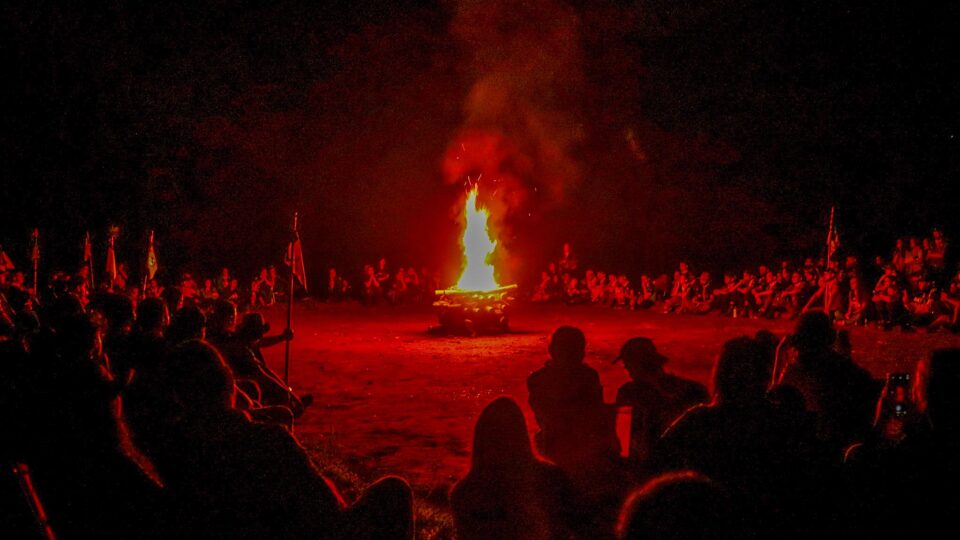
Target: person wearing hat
<point>657,397</point>
<point>250,336</point>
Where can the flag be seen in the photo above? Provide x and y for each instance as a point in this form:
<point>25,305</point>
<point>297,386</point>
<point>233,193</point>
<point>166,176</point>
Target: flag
<point>6,264</point>
<point>35,246</point>
<point>151,259</point>
<point>295,253</point>
<point>111,268</point>
<point>87,250</point>
<point>294,257</point>
<point>833,237</point>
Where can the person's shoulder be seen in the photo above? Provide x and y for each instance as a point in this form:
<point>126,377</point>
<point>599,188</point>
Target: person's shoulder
<point>588,372</point>
<point>686,388</point>
<point>627,391</point>
<point>691,422</point>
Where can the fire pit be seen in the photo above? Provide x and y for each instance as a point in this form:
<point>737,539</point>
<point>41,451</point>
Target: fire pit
<point>474,312</point>
<point>477,304</point>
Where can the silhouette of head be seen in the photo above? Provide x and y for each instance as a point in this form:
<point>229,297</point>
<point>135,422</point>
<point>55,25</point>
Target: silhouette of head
<point>640,357</point>
<point>742,372</point>
<point>252,327</point>
<point>814,332</point>
<point>568,346</point>
<point>500,438</point>
<point>187,323</point>
<point>679,506</point>
<point>223,318</point>
<point>152,315</point>
<point>199,378</point>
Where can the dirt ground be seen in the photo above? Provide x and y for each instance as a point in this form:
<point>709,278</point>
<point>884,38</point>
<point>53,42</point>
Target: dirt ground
<point>394,400</point>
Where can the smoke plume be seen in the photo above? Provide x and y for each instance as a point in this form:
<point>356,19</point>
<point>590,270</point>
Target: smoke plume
<point>520,121</point>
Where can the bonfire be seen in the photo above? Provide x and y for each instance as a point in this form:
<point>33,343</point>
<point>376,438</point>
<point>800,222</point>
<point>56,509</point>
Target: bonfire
<point>477,304</point>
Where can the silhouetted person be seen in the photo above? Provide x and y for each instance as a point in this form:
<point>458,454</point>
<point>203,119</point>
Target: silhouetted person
<point>186,324</point>
<point>567,401</point>
<point>841,393</point>
<point>250,363</point>
<point>92,480</point>
<point>577,430</point>
<point>677,506</point>
<point>509,493</point>
<point>762,452</point>
<point>907,487</point>
<point>657,397</point>
<point>233,478</point>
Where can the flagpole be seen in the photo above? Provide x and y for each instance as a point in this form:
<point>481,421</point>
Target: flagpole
<point>146,271</point>
<point>830,236</point>
<point>91,281</point>
<point>35,256</point>
<point>293,267</point>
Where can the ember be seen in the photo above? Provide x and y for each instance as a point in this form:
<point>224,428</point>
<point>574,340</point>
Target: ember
<point>477,304</point>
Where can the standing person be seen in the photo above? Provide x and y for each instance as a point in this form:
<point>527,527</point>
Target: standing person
<point>657,397</point>
<point>223,282</point>
<point>510,494</point>
<point>937,254</point>
<point>568,263</point>
<point>899,256</point>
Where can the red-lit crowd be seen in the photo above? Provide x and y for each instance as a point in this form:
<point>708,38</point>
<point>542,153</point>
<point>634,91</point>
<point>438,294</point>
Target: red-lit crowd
<point>264,290</point>
<point>912,288</point>
<point>381,285</point>
<point>158,417</point>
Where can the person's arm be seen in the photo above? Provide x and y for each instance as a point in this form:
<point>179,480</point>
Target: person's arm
<point>270,341</point>
<point>816,296</point>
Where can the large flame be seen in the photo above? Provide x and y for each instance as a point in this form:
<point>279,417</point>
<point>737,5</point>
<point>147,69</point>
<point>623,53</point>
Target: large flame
<point>478,248</point>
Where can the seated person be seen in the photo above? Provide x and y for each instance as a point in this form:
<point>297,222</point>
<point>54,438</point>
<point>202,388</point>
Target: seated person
<point>567,401</point>
<point>657,397</point>
<point>232,478</point>
<point>509,493</point>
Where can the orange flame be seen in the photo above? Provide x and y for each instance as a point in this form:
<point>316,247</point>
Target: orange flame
<point>478,248</point>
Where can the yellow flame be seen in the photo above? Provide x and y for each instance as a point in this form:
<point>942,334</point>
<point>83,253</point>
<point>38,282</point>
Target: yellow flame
<point>478,247</point>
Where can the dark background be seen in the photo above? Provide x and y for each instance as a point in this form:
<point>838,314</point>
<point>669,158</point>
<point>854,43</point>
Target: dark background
<point>717,131</point>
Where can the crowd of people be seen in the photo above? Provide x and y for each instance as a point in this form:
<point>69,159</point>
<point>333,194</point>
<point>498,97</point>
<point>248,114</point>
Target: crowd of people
<point>912,288</point>
<point>132,423</point>
<point>800,443</point>
<point>125,421</point>
<point>381,285</point>
<point>153,414</point>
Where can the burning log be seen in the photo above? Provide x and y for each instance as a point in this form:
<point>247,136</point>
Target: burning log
<point>473,312</point>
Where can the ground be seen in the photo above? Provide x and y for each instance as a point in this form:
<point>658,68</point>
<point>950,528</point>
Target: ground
<point>392,399</point>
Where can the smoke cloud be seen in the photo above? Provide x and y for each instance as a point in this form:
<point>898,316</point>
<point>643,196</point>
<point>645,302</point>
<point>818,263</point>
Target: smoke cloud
<point>520,123</point>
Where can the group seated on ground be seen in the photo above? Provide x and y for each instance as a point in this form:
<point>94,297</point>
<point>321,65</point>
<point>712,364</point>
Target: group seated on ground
<point>127,422</point>
<point>805,448</point>
<point>911,289</point>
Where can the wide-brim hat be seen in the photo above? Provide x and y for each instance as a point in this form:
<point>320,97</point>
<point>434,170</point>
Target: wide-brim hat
<point>642,350</point>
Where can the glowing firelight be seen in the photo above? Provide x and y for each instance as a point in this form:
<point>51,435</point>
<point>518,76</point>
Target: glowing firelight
<point>478,248</point>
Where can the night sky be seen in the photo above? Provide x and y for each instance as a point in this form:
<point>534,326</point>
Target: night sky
<point>643,132</point>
